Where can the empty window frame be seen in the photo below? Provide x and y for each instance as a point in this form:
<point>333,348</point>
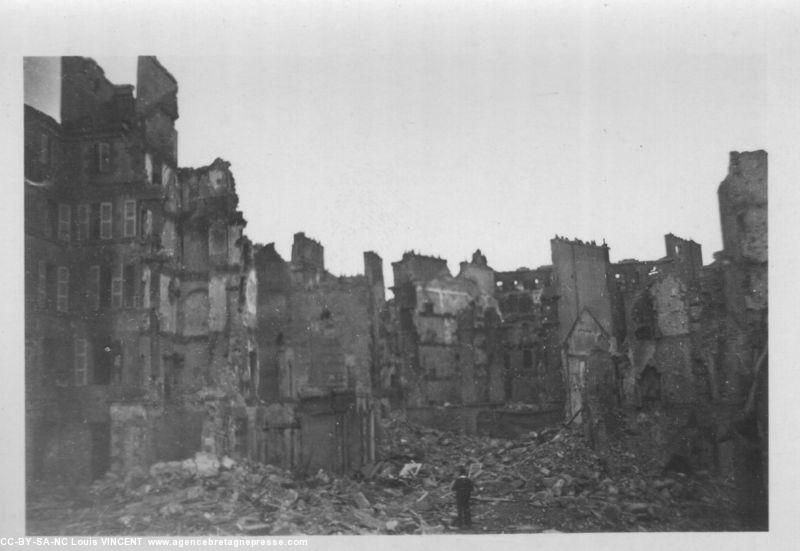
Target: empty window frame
<point>81,362</point>
<point>129,227</point>
<point>158,173</point>
<point>62,290</point>
<point>104,157</point>
<point>105,286</point>
<point>94,287</point>
<point>146,223</point>
<point>148,168</point>
<point>218,240</point>
<point>105,220</point>
<point>527,359</point>
<point>41,288</point>
<point>116,289</point>
<point>64,221</point>
<point>129,283</point>
<point>83,222</point>
<point>47,221</point>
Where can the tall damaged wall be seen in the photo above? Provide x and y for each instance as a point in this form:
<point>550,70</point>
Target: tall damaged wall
<point>580,275</point>
<point>324,326</point>
<point>531,351</point>
<point>743,213</point>
<point>318,349</point>
<point>444,344</point>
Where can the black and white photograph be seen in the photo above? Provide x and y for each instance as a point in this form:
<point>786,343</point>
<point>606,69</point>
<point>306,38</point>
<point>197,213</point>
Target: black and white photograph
<point>489,272</point>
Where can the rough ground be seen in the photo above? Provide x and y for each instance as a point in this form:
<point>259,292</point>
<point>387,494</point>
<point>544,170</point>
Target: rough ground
<point>551,481</point>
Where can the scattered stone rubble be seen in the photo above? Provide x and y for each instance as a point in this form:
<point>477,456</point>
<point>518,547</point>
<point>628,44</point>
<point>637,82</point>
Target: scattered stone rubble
<point>541,482</point>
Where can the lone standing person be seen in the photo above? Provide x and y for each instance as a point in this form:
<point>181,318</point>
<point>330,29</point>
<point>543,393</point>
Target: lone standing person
<point>462,486</point>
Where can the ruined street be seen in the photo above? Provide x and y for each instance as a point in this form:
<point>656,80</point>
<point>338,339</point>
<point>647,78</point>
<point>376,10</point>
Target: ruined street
<point>549,481</point>
<point>184,376</point>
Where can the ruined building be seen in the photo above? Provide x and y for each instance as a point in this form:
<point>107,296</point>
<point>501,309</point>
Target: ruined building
<point>443,338</point>
<point>155,329</point>
<point>585,321</point>
<point>674,336</point>
<point>466,352</point>
<point>529,336</point>
<point>144,299</point>
<point>317,350</point>
<point>140,293</point>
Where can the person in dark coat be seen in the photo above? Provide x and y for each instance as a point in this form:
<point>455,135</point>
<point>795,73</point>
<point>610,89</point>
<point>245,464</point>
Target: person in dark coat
<point>463,486</point>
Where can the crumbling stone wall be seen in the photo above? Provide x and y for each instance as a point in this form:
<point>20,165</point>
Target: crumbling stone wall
<point>686,255</point>
<point>444,338</point>
<point>743,212</point>
<point>418,267</point>
<point>671,306</point>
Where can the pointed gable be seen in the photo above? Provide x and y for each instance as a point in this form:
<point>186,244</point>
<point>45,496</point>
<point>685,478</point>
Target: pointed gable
<point>586,334</point>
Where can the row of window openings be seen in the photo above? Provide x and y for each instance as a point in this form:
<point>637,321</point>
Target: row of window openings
<point>102,159</point>
<point>521,286</point>
<point>102,154</point>
<point>103,289</point>
<point>95,221</point>
<point>56,356</point>
<point>102,227</point>
<point>108,365</point>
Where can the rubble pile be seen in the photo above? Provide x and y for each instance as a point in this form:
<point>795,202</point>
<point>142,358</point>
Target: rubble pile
<point>546,481</point>
<point>554,477</point>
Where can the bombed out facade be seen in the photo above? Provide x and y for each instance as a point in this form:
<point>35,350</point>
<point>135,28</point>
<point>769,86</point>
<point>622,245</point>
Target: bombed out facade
<point>156,329</point>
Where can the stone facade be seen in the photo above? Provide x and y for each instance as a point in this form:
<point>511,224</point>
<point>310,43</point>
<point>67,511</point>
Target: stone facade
<point>444,333</point>
<point>137,274</point>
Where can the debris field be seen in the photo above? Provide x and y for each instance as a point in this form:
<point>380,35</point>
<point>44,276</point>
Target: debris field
<point>550,481</point>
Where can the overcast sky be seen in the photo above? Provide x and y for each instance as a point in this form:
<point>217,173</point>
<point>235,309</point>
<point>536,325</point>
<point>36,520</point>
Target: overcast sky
<point>445,130</point>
